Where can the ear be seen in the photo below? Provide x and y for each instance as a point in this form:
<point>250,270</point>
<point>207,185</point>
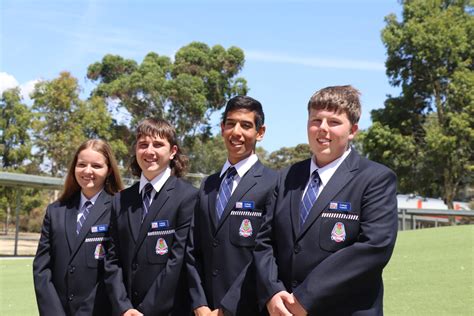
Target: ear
<point>222,128</point>
<point>173,150</point>
<point>261,133</point>
<point>353,131</point>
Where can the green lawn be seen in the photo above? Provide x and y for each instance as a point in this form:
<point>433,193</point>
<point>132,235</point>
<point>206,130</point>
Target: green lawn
<point>431,273</point>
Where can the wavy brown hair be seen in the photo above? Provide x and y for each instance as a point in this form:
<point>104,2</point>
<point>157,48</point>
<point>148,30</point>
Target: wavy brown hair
<point>113,182</point>
<point>159,127</point>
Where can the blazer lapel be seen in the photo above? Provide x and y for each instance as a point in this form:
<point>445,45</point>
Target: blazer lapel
<point>71,221</point>
<point>340,178</point>
<point>248,181</point>
<point>297,194</point>
<point>215,183</point>
<point>134,210</point>
<point>155,207</point>
<point>99,208</point>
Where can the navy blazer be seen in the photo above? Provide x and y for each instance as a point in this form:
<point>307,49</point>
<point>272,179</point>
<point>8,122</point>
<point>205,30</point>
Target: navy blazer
<point>333,265</point>
<point>145,262</point>
<point>219,252</point>
<point>68,269</point>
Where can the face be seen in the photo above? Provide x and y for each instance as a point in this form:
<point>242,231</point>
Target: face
<point>154,155</point>
<point>329,135</point>
<point>91,171</point>
<point>240,134</point>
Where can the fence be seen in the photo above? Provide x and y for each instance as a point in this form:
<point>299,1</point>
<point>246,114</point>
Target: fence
<point>424,218</point>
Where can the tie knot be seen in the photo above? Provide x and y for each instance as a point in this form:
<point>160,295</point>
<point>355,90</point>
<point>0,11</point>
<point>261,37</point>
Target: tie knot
<point>315,176</point>
<point>87,204</point>
<point>231,172</point>
<point>148,188</point>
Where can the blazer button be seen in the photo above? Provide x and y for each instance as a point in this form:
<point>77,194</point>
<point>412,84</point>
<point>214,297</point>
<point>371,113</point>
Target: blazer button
<point>135,293</point>
<point>294,284</point>
<point>215,243</point>
<point>72,269</point>
<point>297,248</point>
<point>135,266</point>
<point>71,297</point>
<point>215,272</point>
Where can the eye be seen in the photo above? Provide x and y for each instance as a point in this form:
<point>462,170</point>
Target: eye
<point>97,166</point>
<point>247,125</point>
<point>80,165</point>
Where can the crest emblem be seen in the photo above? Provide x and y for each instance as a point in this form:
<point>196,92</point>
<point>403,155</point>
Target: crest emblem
<point>161,247</point>
<point>99,252</point>
<point>246,229</point>
<point>338,233</point>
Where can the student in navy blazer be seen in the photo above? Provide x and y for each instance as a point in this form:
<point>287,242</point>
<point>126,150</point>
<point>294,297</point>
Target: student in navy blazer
<point>331,262</point>
<point>219,257</point>
<point>68,268</point>
<point>145,262</point>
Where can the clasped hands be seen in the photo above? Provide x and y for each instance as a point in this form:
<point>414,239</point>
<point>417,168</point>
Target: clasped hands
<point>285,304</point>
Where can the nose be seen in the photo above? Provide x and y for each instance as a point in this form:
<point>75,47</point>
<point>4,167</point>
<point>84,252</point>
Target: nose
<point>324,125</point>
<point>237,129</point>
<point>88,169</point>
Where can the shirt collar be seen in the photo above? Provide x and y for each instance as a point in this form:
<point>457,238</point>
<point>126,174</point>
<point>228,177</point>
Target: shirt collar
<point>326,172</point>
<point>92,199</point>
<point>242,166</point>
<point>157,182</point>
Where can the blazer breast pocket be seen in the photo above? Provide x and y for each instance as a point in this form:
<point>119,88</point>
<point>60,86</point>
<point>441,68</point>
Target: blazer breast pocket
<point>96,248</point>
<point>158,245</point>
<point>338,230</point>
<point>244,226</point>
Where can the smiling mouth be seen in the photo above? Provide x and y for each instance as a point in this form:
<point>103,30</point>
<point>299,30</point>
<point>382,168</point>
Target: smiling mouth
<point>323,140</point>
<point>236,143</point>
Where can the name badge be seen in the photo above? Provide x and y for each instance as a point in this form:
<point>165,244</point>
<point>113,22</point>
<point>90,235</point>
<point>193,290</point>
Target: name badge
<point>245,205</point>
<point>340,206</point>
<point>100,228</point>
<point>160,224</point>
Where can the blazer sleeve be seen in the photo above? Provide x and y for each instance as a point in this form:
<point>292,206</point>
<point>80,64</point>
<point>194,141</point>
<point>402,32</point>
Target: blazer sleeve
<point>46,294</point>
<point>266,268</point>
<point>362,262</point>
<point>193,261</point>
<point>157,300</point>
<point>113,277</point>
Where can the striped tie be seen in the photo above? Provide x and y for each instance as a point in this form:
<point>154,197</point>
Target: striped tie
<point>309,197</point>
<point>225,191</point>
<point>86,208</point>
<point>146,199</point>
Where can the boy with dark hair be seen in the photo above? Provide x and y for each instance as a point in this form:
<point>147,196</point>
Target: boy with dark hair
<point>228,215</point>
<point>322,249</point>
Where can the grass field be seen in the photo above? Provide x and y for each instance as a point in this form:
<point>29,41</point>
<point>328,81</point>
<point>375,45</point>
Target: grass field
<point>431,273</point>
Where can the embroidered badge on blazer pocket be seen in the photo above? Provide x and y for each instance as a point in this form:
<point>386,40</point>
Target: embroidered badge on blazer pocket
<point>158,245</point>
<point>244,226</point>
<point>338,230</point>
<point>96,248</point>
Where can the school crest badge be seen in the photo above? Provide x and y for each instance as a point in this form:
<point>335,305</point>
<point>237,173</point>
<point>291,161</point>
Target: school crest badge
<point>246,229</point>
<point>161,247</point>
<point>99,252</point>
<point>338,233</point>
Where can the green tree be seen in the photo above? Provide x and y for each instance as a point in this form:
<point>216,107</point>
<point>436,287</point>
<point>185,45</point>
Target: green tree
<point>63,121</point>
<point>287,156</point>
<point>185,91</point>
<point>430,126</point>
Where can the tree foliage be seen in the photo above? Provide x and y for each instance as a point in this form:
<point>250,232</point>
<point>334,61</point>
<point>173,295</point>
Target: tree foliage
<point>185,91</point>
<point>427,133</point>
<point>287,156</point>
<point>63,121</point>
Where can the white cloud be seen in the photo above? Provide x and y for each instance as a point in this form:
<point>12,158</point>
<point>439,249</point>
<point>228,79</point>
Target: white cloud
<point>314,61</point>
<point>8,81</point>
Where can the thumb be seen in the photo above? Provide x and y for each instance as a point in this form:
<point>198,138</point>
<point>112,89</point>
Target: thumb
<point>288,298</point>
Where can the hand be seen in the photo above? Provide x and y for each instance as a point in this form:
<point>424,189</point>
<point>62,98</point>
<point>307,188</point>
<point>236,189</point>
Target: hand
<point>132,312</point>
<point>276,305</point>
<point>294,306</point>
<point>202,311</point>
<point>217,312</point>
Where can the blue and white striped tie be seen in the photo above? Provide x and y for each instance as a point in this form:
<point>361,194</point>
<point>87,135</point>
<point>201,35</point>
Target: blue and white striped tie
<point>309,197</point>
<point>86,208</point>
<point>225,191</point>
<point>146,199</point>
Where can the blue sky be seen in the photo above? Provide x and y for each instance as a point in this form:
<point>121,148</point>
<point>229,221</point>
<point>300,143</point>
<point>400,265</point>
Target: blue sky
<point>292,48</point>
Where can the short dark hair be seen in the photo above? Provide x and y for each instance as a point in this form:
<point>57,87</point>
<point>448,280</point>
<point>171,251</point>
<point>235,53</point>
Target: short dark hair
<point>162,128</point>
<point>246,103</point>
<point>340,99</point>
